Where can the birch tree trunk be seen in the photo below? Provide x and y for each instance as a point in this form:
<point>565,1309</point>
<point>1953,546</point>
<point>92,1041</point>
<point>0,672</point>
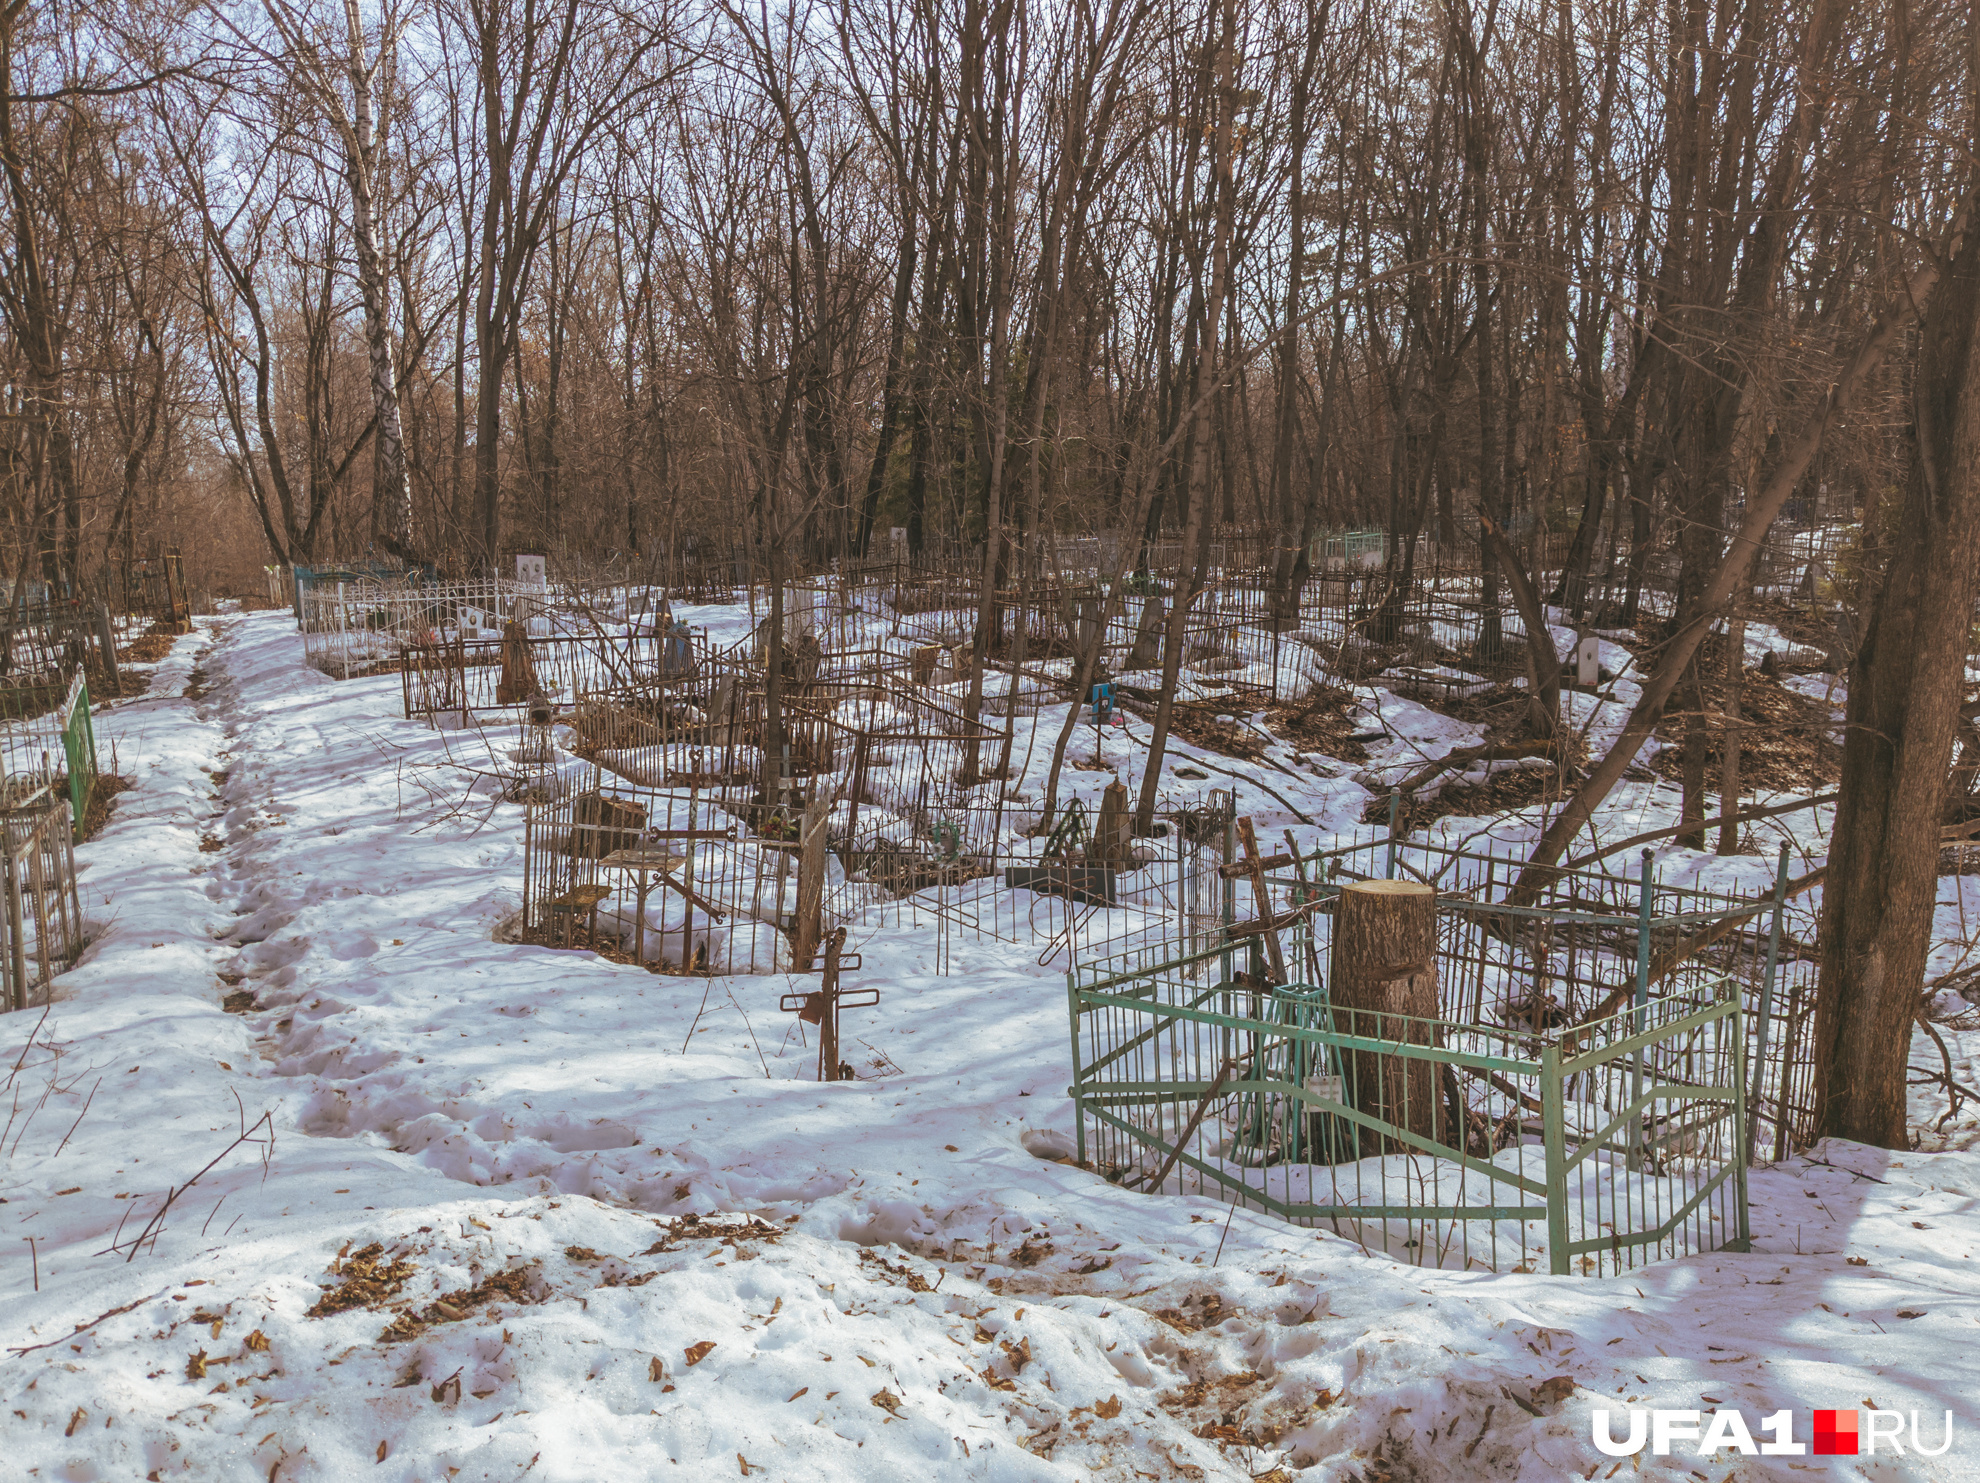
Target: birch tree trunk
<point>391,496</point>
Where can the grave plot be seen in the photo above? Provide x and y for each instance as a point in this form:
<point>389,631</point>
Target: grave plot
<point>48,780</point>
<point>664,878</point>
<point>356,623</point>
<point>42,912</point>
<point>620,686</point>
<point>152,589</point>
<point>650,850</point>
<point>1393,1050</point>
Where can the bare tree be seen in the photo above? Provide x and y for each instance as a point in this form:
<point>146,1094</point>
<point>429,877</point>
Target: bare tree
<point>324,57</point>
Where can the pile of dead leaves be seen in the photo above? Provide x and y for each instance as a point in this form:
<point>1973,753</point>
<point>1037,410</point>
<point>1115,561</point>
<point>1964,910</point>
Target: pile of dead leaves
<point>1324,722</point>
<point>1785,742</point>
<point>1195,1313</point>
<point>368,1280</point>
<point>914,1280</point>
<point>1798,625</point>
<point>512,1285</point>
<point>1196,722</point>
<point>102,795</point>
<point>726,1230</point>
<point>148,647</point>
<point>1224,1399</point>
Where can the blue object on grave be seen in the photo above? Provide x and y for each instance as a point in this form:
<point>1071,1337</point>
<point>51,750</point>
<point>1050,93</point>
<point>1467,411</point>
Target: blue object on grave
<point>1103,703</point>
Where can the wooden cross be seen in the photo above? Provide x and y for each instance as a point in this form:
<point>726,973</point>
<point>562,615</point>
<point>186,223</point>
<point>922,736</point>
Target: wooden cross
<point>1253,867</point>
<point>1261,894</point>
<point>822,1007</point>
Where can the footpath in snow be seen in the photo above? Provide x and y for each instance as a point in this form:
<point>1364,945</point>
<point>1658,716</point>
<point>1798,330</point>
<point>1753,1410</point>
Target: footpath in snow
<point>472,1209</point>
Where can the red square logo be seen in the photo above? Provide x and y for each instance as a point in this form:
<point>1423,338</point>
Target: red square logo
<point>1835,1434</point>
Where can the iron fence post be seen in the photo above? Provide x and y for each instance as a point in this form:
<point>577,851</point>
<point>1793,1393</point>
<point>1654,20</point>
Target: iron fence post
<point>1763,1020</point>
<point>1742,1123</point>
<point>1553,1127</point>
<point>17,922</point>
<point>1184,887</point>
<point>1395,808</point>
<point>1073,1091</point>
<point>1640,1000</point>
<point>1228,906</point>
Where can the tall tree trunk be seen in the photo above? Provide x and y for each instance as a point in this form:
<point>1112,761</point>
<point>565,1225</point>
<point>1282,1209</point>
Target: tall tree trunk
<point>1905,687</point>
<point>1289,530</point>
<point>391,503</point>
<point>1734,575</point>
<point>890,397</point>
<point>1196,544</point>
<point>1729,748</point>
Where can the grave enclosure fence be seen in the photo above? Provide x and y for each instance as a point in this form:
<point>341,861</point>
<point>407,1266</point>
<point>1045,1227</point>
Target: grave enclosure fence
<point>1602,1066</point>
<point>43,913</point>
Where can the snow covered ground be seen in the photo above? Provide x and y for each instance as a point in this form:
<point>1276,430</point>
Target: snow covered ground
<point>510,1212</point>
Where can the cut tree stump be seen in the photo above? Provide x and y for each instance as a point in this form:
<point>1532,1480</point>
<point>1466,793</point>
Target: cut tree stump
<point>1112,842</point>
<point>1385,988</point>
<point>518,680</point>
<point>809,930</point>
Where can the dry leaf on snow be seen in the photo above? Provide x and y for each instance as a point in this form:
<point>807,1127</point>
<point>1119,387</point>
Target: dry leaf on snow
<point>1551,1392</point>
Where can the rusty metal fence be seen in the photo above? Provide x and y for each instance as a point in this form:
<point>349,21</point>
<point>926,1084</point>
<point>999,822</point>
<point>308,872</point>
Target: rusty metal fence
<point>43,913</point>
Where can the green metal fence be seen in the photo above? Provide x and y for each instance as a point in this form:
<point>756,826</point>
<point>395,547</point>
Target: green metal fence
<point>78,750</point>
<point>1588,944</point>
<point>1588,1149</point>
<point>1579,1104</point>
<point>48,738</point>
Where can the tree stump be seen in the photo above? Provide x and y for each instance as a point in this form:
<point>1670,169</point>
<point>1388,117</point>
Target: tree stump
<point>809,929</point>
<point>518,672</point>
<point>1384,988</point>
<point>1112,842</point>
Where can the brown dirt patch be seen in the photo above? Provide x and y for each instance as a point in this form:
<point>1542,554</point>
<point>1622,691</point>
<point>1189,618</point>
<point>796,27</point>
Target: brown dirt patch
<point>1784,737</point>
<point>102,800</point>
<point>1323,722</point>
<point>1501,708</point>
<point>1797,625</point>
<point>1198,725</point>
<point>613,951</point>
<point>148,647</point>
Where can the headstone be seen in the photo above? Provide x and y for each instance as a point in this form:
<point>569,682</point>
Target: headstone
<point>1588,660</point>
<point>1147,649</point>
<point>533,571</point>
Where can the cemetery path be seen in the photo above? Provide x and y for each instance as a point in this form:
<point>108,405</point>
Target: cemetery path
<point>504,1211</point>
